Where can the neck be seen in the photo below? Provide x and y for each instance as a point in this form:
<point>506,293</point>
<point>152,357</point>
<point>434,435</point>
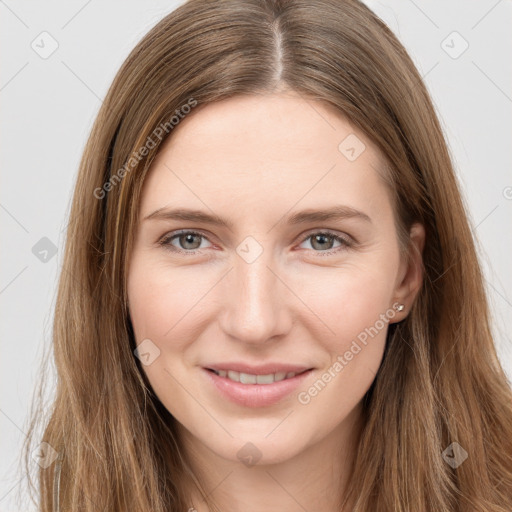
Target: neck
<point>314,479</point>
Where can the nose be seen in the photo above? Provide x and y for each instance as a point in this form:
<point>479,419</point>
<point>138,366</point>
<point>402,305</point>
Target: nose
<point>256,306</point>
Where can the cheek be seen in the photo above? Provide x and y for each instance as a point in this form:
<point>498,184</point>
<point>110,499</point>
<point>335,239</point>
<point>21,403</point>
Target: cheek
<point>168,307</point>
<point>161,300</point>
<point>348,301</point>
<point>162,310</point>
<point>356,305</point>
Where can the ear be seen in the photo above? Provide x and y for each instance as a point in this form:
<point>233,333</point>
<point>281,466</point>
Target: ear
<point>410,275</point>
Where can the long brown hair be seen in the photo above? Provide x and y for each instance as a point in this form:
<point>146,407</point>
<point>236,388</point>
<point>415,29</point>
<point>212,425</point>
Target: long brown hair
<point>440,381</point>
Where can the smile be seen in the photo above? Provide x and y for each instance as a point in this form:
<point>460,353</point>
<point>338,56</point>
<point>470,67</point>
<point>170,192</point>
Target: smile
<point>248,378</point>
<point>255,389</point>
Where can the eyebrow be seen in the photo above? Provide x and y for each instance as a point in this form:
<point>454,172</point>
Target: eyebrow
<point>303,217</point>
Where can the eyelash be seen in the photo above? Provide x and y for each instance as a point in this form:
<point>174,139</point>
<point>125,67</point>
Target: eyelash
<point>166,242</point>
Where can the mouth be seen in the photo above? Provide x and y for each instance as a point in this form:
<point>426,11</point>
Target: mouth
<point>262,389</point>
<point>250,378</point>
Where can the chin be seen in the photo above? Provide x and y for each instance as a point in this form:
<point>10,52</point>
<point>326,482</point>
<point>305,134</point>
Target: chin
<point>261,450</point>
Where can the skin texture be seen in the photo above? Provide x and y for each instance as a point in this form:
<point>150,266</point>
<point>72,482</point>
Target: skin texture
<point>256,160</point>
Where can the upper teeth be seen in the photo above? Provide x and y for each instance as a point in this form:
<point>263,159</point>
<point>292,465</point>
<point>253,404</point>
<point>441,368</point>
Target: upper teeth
<point>247,378</point>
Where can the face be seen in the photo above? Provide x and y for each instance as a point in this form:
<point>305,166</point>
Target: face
<point>261,285</point>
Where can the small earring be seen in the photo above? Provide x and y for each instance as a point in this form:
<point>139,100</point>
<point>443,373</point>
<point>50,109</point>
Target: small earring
<point>399,307</point>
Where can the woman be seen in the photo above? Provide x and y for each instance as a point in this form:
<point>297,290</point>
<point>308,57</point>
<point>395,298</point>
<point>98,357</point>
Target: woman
<point>324,343</point>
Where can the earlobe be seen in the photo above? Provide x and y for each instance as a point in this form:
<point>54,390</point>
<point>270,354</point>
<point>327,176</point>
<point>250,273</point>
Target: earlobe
<point>412,276</point>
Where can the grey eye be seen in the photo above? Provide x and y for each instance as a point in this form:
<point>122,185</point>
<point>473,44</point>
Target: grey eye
<point>324,241</point>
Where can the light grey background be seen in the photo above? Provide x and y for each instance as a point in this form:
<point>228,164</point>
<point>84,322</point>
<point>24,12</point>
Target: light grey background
<point>48,106</point>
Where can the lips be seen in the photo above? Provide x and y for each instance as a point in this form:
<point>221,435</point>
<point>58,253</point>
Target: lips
<point>256,386</point>
<point>248,378</point>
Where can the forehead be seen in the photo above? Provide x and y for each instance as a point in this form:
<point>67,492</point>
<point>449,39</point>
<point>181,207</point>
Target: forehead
<point>269,151</point>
